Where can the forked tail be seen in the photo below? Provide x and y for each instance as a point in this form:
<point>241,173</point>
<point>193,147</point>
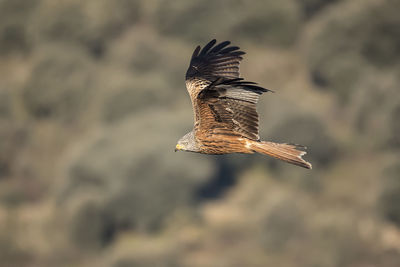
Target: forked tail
<point>285,152</point>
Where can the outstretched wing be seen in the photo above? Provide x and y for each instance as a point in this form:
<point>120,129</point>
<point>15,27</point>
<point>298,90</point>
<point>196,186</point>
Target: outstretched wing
<point>211,63</point>
<point>228,107</point>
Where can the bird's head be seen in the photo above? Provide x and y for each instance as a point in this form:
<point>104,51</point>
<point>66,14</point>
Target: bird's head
<point>187,143</point>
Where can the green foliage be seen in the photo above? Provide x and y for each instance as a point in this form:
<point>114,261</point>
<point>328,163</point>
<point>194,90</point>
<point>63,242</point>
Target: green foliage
<point>312,7</point>
<point>134,95</point>
<point>12,141</point>
<point>283,224</point>
<point>92,23</point>
<point>390,195</point>
<point>147,262</point>
<point>271,22</point>
<point>11,255</point>
<point>91,228</point>
<point>191,19</point>
<point>395,127</point>
<point>60,85</point>
<point>14,36</point>
<point>265,22</point>
<point>374,107</point>
<point>138,190</point>
<point>348,42</point>
<point>5,106</point>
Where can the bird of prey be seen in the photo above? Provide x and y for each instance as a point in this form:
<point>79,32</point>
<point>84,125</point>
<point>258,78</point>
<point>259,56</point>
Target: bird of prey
<point>224,106</point>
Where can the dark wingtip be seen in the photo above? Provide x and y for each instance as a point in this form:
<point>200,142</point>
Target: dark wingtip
<point>219,47</point>
<point>247,84</point>
<point>208,46</point>
<point>196,52</point>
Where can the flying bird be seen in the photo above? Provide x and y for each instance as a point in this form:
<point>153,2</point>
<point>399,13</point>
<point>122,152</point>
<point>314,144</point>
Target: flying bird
<point>224,107</point>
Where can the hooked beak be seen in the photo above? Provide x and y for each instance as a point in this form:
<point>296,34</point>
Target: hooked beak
<point>178,147</point>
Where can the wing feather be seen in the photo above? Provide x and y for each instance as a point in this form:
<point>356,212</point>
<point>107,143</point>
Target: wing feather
<point>207,47</point>
<point>229,107</point>
<point>219,47</point>
<point>211,63</point>
<point>196,52</point>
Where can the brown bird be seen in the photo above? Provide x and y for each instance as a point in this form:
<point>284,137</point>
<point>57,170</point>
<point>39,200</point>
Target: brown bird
<point>224,106</point>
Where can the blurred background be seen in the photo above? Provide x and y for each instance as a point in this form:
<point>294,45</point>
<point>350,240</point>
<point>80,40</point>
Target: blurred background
<point>93,100</point>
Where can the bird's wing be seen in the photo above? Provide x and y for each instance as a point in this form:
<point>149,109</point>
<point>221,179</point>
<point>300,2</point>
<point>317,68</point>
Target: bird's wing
<point>228,107</point>
<point>211,63</point>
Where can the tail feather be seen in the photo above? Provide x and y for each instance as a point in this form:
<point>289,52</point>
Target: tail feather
<point>286,152</point>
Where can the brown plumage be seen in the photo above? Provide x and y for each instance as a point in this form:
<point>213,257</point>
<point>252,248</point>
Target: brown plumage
<point>224,107</point>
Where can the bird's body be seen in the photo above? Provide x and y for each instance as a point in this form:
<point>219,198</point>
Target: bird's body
<point>224,107</point>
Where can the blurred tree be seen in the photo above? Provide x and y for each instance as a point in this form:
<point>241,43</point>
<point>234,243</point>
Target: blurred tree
<point>395,127</point>
<point>92,228</point>
<point>132,174</point>
<point>348,42</point>
<point>270,22</point>
<point>312,7</point>
<point>91,24</point>
<point>390,196</point>
<point>60,84</point>
<point>264,22</point>
<point>13,27</point>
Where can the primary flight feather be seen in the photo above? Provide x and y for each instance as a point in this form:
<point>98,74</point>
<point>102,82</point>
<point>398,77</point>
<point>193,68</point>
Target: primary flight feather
<point>224,107</point>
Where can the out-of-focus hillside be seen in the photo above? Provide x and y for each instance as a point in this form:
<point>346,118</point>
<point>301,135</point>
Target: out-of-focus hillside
<point>92,102</point>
